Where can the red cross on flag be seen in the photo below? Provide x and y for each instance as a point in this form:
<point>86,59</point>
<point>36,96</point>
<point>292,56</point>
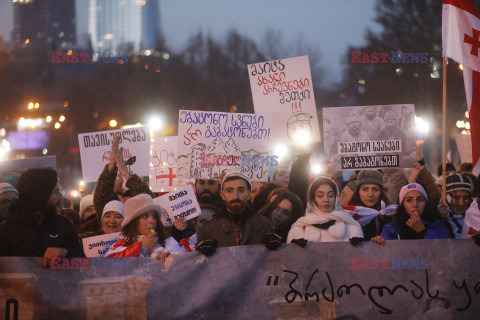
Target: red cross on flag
<point>461,42</point>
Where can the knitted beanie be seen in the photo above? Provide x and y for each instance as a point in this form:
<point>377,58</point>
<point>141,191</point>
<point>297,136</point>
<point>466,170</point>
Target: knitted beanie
<point>371,177</point>
<point>458,182</point>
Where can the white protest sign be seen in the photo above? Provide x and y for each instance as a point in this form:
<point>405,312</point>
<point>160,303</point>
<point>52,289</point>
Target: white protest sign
<point>20,166</point>
<point>95,149</point>
<point>180,203</point>
<point>369,137</point>
<point>464,145</point>
<point>284,88</point>
<point>163,165</point>
<point>211,143</point>
<point>97,246</point>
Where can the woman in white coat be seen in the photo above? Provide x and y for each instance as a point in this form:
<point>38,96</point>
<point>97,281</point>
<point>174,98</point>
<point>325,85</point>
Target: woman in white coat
<point>324,220</point>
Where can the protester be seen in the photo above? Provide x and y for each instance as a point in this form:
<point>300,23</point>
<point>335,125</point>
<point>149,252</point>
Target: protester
<point>371,194</point>
<point>207,191</point>
<point>112,217</point>
<point>91,224</point>
<point>33,227</point>
<point>255,189</point>
<point>109,188</point>
<point>323,222</point>
<point>415,218</point>
<point>283,210</point>
<point>347,192</point>
<point>459,198</point>
<point>8,194</point>
<point>281,176</point>
<point>143,234</point>
<point>263,194</point>
<point>238,224</point>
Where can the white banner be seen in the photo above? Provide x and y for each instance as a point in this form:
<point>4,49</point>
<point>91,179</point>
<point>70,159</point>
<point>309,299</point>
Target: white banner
<point>369,137</point>
<point>284,89</point>
<point>180,203</point>
<point>95,149</point>
<point>464,145</point>
<point>163,165</point>
<point>97,246</point>
<point>211,143</point>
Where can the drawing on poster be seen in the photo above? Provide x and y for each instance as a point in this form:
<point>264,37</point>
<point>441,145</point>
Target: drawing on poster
<point>282,88</point>
<point>163,165</point>
<point>369,137</point>
<point>211,143</point>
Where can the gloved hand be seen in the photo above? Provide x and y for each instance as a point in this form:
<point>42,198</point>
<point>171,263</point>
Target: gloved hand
<point>207,247</point>
<point>272,241</point>
<point>300,242</point>
<point>355,241</point>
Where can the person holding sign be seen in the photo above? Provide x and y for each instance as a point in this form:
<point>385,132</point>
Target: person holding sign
<point>415,218</point>
<point>238,224</point>
<point>143,234</point>
<point>322,221</point>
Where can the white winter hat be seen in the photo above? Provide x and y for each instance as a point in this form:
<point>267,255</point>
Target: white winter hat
<point>85,202</point>
<point>138,205</point>
<point>115,206</point>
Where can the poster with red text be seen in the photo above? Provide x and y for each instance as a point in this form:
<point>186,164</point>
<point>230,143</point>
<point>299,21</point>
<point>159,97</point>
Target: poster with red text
<point>284,89</point>
<point>95,149</point>
<point>212,143</point>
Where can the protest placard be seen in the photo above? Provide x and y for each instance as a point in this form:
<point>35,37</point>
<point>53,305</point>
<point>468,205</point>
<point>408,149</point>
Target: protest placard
<point>177,204</point>
<point>284,89</point>
<point>95,149</point>
<point>97,246</point>
<point>163,165</point>
<point>464,146</point>
<point>211,143</point>
<point>369,137</point>
<point>18,167</point>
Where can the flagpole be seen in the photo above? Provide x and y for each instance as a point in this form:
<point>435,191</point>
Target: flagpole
<point>444,132</point>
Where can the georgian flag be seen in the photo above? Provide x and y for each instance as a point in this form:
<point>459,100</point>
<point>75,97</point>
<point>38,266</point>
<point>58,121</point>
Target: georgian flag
<point>471,223</point>
<point>461,42</point>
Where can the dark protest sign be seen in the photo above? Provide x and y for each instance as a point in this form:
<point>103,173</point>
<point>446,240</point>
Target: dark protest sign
<point>19,166</point>
<point>406,279</point>
<point>369,137</point>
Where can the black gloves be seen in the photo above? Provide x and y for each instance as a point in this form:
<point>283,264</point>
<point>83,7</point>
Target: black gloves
<point>207,247</point>
<point>300,242</point>
<point>476,238</point>
<point>272,241</point>
<point>355,241</point>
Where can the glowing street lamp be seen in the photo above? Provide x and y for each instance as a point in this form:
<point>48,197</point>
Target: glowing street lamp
<point>113,123</point>
<point>57,125</point>
<point>30,106</point>
<point>62,118</point>
<point>48,119</point>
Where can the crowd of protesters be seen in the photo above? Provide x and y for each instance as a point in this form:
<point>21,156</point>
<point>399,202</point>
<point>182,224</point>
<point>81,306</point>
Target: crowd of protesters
<point>374,205</point>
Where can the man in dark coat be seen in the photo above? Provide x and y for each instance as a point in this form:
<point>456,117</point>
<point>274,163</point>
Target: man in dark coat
<point>238,223</point>
<point>33,227</point>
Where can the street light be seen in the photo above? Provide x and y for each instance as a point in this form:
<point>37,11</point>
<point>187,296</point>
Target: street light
<point>48,119</point>
<point>113,123</point>
<point>57,125</point>
<point>30,106</point>
<point>37,105</point>
<point>62,118</point>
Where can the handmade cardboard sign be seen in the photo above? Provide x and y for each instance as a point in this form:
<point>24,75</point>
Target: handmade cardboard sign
<point>20,166</point>
<point>212,143</point>
<point>181,203</point>
<point>284,89</point>
<point>97,246</point>
<point>95,151</point>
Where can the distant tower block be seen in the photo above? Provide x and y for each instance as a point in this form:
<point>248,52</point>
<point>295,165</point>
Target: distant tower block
<point>196,160</point>
<point>116,298</point>
<point>18,289</point>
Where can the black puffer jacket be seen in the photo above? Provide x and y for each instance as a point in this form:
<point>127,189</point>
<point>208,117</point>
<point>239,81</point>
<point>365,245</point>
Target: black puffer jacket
<point>20,235</point>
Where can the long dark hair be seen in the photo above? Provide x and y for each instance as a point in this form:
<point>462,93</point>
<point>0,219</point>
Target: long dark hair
<point>430,214</point>
<point>297,210</point>
<point>262,195</point>
<point>356,200</point>
<point>317,183</point>
<point>130,231</point>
